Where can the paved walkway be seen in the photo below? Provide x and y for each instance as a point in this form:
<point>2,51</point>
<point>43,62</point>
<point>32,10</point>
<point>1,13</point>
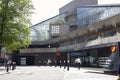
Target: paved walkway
<point>54,73</point>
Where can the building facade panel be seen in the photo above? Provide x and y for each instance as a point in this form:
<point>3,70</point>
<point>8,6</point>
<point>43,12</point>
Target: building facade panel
<point>75,4</point>
<point>92,14</point>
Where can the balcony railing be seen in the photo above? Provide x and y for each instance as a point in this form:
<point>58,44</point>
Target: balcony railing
<point>38,50</point>
<point>90,43</point>
<point>73,46</point>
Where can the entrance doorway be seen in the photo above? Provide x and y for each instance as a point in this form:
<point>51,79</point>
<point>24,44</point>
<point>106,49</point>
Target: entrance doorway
<point>26,60</point>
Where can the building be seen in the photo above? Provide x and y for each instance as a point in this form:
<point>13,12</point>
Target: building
<point>90,32</point>
<point>70,10</point>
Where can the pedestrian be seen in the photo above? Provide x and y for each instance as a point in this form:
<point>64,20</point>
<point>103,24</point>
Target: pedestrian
<point>7,66</point>
<point>78,62</point>
<point>49,62</point>
<point>13,65</point>
<point>55,63</point>
<point>10,63</point>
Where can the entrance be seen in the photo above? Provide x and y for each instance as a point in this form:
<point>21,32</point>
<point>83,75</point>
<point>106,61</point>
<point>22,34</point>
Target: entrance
<point>26,60</point>
<point>92,57</point>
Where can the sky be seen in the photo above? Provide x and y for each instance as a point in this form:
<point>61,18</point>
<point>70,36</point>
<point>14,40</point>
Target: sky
<point>45,9</point>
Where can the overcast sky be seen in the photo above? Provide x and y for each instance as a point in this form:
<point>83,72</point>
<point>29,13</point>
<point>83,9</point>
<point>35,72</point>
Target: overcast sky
<point>45,9</point>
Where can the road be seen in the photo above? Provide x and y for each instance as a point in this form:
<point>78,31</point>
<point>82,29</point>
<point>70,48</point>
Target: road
<point>53,73</point>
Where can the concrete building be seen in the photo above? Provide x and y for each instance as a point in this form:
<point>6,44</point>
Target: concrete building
<point>70,10</point>
<point>90,32</point>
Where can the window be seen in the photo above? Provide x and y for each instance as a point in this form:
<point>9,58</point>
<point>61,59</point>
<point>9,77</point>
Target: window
<point>92,38</point>
<point>55,29</point>
<point>109,33</point>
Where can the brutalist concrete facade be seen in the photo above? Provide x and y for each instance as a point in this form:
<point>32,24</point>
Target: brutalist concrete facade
<point>70,11</point>
<point>75,4</point>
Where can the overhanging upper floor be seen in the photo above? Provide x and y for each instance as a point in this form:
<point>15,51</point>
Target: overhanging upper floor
<point>112,23</point>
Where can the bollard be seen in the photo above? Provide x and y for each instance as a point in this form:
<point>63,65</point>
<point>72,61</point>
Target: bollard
<point>60,63</point>
<point>64,64</point>
<point>55,64</point>
<point>68,64</point>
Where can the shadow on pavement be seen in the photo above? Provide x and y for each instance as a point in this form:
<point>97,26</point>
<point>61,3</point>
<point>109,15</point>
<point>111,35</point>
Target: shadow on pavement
<point>5,73</point>
<point>107,73</point>
<point>94,72</point>
<point>2,69</point>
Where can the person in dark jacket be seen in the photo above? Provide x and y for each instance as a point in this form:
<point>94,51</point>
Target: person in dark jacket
<point>7,67</point>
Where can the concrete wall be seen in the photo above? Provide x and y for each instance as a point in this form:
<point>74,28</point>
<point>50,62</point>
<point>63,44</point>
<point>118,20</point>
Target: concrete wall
<point>72,19</point>
<point>64,29</point>
<point>38,50</point>
<point>71,16</point>
<point>76,3</point>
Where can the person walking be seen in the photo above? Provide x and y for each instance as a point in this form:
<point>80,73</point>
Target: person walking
<point>49,62</point>
<point>78,62</point>
<point>13,65</point>
<point>10,63</point>
<point>7,66</point>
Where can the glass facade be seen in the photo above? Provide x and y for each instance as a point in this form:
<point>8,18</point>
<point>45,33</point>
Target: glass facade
<point>85,15</point>
<point>41,31</point>
<point>91,14</point>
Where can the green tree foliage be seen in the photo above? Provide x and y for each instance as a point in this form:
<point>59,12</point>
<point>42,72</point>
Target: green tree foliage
<point>15,23</point>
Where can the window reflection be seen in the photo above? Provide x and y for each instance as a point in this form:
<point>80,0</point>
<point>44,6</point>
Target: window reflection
<point>93,14</point>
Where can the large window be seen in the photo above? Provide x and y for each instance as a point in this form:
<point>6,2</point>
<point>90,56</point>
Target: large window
<point>91,14</point>
<point>42,31</point>
<point>109,33</point>
<point>55,29</point>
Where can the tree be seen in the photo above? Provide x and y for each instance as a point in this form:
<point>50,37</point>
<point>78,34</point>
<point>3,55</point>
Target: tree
<point>15,23</point>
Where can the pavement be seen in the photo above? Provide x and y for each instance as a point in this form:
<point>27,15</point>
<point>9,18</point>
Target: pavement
<point>54,73</point>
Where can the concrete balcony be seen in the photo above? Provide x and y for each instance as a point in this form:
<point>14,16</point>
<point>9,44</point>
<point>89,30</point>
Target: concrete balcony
<point>38,50</point>
<point>112,22</point>
<point>95,27</point>
<point>102,41</point>
<point>75,46</point>
<point>66,48</point>
<point>90,43</point>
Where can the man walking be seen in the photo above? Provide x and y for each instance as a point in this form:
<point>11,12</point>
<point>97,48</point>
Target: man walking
<point>78,62</point>
<point>49,62</point>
